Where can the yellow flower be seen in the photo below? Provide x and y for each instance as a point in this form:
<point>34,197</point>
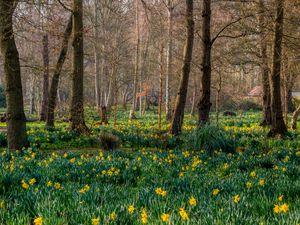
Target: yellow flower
<point>236,198</point>
<point>49,183</point>
<point>113,216</point>
<point>261,182</point>
<point>38,221</point>
<point>165,217</point>
<point>276,209</point>
<point>144,216</point>
<point>253,174</point>
<point>32,181</point>
<point>85,189</point>
<point>249,185</point>
<point>160,191</point>
<point>192,201</point>
<point>24,185</point>
<point>183,214</point>
<point>72,160</point>
<point>1,204</point>
<point>95,221</point>
<point>131,209</point>
<point>215,192</point>
<point>57,185</point>
<point>284,208</point>
<point>280,198</point>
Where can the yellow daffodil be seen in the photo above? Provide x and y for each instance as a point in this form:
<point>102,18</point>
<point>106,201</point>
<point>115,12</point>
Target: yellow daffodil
<point>165,217</point>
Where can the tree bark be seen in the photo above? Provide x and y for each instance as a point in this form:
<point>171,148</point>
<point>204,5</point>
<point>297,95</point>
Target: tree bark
<point>137,59</point>
<point>204,104</point>
<point>278,127</point>
<point>55,80</point>
<point>169,59</point>
<point>266,120</point>
<point>161,73</point>
<point>16,120</point>
<point>45,77</point>
<point>77,108</point>
<point>97,58</point>
<point>295,118</point>
<point>178,116</point>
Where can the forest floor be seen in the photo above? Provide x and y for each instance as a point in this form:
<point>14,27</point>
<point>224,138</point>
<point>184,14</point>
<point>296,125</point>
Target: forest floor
<point>249,180</point>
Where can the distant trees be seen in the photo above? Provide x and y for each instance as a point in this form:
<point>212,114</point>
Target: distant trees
<point>16,120</point>
<point>178,116</point>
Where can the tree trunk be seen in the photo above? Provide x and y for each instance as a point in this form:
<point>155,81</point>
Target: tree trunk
<point>278,126</point>
<point>161,73</point>
<point>204,104</point>
<point>137,59</point>
<point>295,118</point>
<point>54,83</point>
<point>97,59</point>
<point>266,120</point>
<point>16,120</point>
<point>45,77</point>
<point>169,59</point>
<point>32,109</point>
<point>178,116</point>
<point>77,108</point>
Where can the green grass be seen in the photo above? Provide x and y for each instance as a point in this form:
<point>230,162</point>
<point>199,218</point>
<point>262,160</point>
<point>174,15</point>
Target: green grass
<point>133,173</point>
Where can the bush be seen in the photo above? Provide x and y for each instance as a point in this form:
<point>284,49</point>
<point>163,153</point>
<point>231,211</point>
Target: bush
<point>108,141</point>
<point>3,140</point>
<point>212,138</point>
<point>248,105</point>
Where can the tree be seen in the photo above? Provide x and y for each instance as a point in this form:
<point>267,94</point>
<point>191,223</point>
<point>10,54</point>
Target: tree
<point>77,109</point>
<point>278,126</point>
<point>178,116</point>
<point>16,120</point>
<point>204,104</point>
<point>55,80</point>
<point>266,120</point>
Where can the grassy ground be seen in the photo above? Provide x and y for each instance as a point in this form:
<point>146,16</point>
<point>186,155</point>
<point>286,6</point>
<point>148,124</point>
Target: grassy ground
<point>259,184</point>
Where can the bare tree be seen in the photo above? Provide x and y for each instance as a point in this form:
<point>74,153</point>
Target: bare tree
<point>16,120</point>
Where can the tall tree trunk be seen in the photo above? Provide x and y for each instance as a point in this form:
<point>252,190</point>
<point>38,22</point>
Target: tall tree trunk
<point>161,73</point>
<point>266,120</point>
<point>278,126</point>
<point>45,77</point>
<point>97,58</point>
<point>77,107</point>
<point>55,80</point>
<point>16,120</point>
<point>137,59</point>
<point>204,104</point>
<point>169,59</point>
<point>178,116</point>
<point>32,109</point>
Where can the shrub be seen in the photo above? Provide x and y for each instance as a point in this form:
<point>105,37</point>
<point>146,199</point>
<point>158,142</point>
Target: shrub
<point>108,141</point>
<point>3,140</point>
<point>212,138</point>
<point>248,105</point>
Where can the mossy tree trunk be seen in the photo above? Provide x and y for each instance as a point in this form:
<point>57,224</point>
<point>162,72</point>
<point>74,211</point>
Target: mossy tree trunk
<point>16,120</point>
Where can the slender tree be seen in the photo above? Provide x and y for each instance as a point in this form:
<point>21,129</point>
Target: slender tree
<point>266,120</point>
<point>278,127</point>
<point>204,104</point>
<point>178,116</point>
<point>16,120</point>
<point>55,79</point>
<point>77,108</point>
